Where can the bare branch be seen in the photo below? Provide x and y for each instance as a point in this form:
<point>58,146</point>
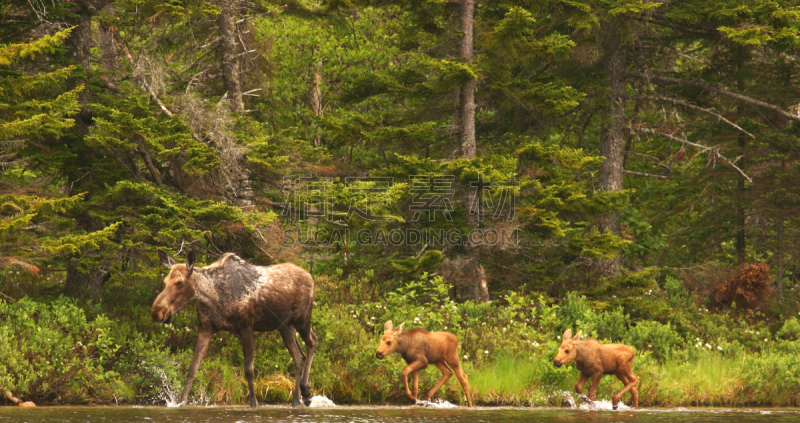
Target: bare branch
<point>719,90</point>
<point>713,151</point>
<point>650,175</point>
<point>692,106</point>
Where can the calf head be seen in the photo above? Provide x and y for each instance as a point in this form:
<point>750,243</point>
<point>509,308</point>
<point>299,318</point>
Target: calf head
<point>178,288</point>
<point>566,352</point>
<point>389,339</point>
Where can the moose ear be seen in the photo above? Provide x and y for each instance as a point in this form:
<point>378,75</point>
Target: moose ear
<point>400,328</point>
<point>166,260</point>
<point>191,258</point>
<point>387,327</point>
<point>577,336</point>
<point>567,335</point>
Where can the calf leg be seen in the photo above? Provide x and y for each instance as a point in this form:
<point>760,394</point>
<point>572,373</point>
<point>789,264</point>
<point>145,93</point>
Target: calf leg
<point>631,383</point>
<point>310,338</point>
<point>595,384</point>
<point>635,392</point>
<point>248,348</point>
<point>579,384</point>
<point>462,378</point>
<point>203,339</point>
<point>446,374</point>
<point>412,367</point>
<point>415,382</point>
<point>289,336</point>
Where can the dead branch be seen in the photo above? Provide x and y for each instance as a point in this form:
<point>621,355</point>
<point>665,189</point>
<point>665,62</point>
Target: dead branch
<point>692,106</point>
<point>649,175</point>
<point>713,151</point>
<point>719,90</point>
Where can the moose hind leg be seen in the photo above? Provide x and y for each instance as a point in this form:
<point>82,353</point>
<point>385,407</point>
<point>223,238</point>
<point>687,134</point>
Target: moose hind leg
<point>462,378</point>
<point>446,374</point>
<point>630,381</point>
<point>248,348</point>
<point>310,338</point>
<point>289,339</point>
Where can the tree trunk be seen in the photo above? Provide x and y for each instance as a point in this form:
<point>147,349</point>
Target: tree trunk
<point>84,285</point>
<point>230,61</point>
<point>467,91</point>
<point>741,183</point>
<point>612,137</point>
<point>779,258</point>
<point>110,56</point>
<point>471,283</point>
<point>315,98</point>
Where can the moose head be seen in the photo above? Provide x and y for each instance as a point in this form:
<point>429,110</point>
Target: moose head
<point>389,339</point>
<point>178,287</point>
<point>566,352</point>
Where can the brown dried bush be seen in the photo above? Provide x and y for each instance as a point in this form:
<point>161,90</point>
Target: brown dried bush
<point>747,287</point>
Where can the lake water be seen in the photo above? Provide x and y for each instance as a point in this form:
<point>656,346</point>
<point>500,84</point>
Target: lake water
<point>347,414</point>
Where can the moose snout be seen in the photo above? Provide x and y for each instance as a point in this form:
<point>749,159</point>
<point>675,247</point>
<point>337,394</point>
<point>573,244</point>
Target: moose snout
<point>160,315</point>
<point>556,363</point>
<point>379,355</point>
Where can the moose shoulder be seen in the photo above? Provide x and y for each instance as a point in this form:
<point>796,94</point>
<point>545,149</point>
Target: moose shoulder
<point>238,297</point>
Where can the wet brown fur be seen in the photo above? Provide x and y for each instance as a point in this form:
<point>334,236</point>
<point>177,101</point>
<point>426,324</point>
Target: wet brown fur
<point>594,360</point>
<point>235,296</point>
<point>418,347</point>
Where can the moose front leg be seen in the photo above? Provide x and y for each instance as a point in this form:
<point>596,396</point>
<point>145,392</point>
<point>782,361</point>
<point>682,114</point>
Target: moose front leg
<point>595,384</point>
<point>579,384</point>
<point>415,382</point>
<point>203,339</point>
<point>248,348</point>
<point>412,367</point>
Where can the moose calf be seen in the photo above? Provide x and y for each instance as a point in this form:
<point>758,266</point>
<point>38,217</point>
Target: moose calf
<point>594,360</point>
<point>418,347</point>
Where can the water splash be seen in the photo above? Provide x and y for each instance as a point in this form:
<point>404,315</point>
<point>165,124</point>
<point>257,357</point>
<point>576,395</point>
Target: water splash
<point>564,396</point>
<point>438,403</point>
<point>169,393</point>
<point>321,401</point>
<point>603,405</point>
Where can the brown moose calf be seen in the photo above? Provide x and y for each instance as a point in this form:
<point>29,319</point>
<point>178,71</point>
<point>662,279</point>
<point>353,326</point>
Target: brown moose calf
<point>418,347</point>
<point>594,360</point>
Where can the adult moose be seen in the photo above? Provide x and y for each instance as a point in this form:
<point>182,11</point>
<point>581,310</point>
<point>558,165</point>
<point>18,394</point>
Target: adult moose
<point>235,296</point>
<point>418,347</point>
<point>594,360</point>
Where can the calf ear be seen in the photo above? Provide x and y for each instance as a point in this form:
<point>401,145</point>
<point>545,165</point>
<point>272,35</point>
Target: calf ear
<point>567,335</point>
<point>400,328</point>
<point>387,327</point>
<point>166,260</point>
<point>191,258</point>
<point>577,336</point>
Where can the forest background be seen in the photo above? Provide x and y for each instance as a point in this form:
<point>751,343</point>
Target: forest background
<point>639,160</point>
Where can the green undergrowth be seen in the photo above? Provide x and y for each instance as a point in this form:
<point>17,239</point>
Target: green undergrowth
<point>63,352</point>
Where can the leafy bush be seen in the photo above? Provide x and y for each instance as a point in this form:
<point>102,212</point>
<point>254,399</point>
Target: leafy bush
<point>52,352</point>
